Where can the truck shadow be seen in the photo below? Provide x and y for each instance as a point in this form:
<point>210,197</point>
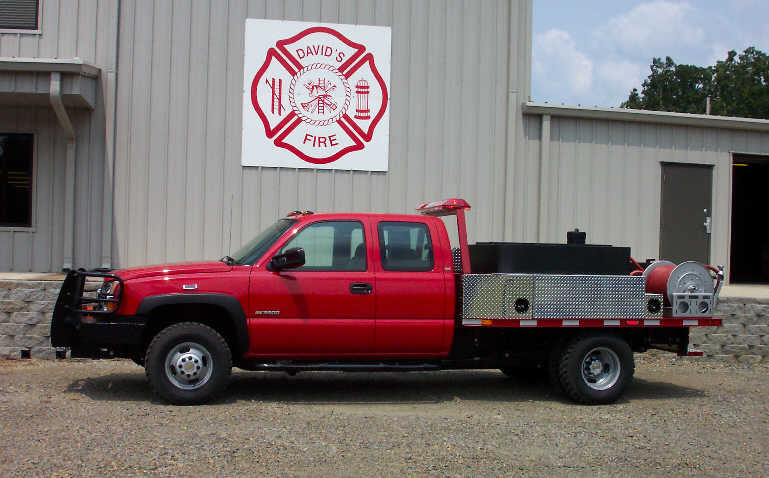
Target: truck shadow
<point>323,388</point>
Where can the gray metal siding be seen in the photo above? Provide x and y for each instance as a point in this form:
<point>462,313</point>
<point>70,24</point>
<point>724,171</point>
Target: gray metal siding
<point>69,28</point>
<point>180,191</point>
<point>40,248</point>
<point>604,177</point>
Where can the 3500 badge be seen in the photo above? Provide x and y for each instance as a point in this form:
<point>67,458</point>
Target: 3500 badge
<point>319,95</point>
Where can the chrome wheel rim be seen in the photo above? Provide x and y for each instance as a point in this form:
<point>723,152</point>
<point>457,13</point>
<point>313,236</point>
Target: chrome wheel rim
<point>600,368</point>
<point>189,366</point>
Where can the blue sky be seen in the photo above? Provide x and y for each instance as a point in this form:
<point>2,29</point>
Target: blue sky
<point>593,52</point>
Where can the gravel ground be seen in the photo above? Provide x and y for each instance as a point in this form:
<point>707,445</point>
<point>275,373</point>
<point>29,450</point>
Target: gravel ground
<point>97,418</point>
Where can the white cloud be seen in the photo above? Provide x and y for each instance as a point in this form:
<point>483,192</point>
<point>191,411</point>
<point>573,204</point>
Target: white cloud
<point>557,60</point>
<point>652,25</point>
<point>718,51</point>
<point>617,78</point>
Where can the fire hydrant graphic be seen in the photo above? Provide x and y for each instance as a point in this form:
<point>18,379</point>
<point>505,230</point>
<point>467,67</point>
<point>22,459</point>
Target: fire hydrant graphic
<point>361,90</point>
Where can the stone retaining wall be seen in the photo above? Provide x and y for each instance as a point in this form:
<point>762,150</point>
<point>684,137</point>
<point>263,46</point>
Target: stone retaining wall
<point>26,308</point>
<point>744,336</point>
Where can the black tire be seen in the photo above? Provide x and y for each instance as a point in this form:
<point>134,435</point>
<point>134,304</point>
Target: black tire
<point>202,356</point>
<point>596,369</point>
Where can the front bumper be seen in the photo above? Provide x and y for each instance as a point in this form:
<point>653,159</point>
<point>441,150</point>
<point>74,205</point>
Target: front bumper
<point>80,325</point>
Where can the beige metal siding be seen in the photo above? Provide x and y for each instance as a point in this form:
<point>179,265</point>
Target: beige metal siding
<point>604,177</point>
<point>180,190</point>
<point>69,28</point>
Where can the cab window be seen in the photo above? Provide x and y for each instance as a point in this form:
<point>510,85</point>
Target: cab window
<point>331,246</point>
<point>405,246</point>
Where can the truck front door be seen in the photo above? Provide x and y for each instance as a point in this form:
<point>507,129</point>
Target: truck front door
<point>411,319</point>
<point>324,308</point>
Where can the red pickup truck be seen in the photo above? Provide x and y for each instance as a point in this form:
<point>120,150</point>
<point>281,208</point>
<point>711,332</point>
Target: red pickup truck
<point>363,292</point>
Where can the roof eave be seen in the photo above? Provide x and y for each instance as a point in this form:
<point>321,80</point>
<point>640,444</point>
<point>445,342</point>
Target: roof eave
<point>644,116</point>
<point>49,65</point>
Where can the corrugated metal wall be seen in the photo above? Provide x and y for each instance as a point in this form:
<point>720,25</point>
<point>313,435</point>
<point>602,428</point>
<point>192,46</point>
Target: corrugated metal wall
<point>69,28</point>
<point>605,178</point>
<point>41,248</point>
<point>180,190</point>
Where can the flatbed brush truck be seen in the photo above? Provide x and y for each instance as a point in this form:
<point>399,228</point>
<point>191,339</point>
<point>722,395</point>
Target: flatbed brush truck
<point>386,292</point>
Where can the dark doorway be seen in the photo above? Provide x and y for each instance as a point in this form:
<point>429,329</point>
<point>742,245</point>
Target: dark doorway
<point>750,233</point>
<point>686,212</point>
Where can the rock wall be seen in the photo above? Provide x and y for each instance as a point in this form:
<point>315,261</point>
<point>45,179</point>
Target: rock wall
<point>26,308</point>
<point>744,336</point>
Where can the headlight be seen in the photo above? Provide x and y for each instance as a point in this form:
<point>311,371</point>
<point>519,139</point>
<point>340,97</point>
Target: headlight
<point>108,292</point>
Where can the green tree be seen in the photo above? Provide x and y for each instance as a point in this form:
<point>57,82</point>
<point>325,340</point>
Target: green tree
<point>741,85</point>
<point>738,86</point>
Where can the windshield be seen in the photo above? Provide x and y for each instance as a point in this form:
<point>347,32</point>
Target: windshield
<point>256,247</point>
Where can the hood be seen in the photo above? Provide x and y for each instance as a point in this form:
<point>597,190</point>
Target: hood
<point>172,269</point>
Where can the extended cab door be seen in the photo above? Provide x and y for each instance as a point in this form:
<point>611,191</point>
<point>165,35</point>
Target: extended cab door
<point>324,308</point>
<point>411,315</point>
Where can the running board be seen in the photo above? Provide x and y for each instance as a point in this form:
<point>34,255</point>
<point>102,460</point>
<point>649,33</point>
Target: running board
<point>340,367</point>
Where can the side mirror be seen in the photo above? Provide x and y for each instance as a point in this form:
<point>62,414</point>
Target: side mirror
<point>290,259</point>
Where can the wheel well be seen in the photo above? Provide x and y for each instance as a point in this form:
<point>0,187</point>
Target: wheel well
<point>211,315</point>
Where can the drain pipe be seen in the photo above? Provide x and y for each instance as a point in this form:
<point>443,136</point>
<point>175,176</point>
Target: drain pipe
<point>69,172</point>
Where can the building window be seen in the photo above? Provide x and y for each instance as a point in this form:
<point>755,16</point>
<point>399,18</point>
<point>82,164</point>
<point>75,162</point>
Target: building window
<point>16,180</point>
<point>20,15</point>
<point>405,246</point>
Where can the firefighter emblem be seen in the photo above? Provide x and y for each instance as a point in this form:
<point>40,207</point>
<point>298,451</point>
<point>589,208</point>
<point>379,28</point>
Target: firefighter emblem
<point>319,95</point>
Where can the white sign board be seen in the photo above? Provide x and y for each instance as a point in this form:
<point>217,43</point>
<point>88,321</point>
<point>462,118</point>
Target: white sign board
<point>316,95</point>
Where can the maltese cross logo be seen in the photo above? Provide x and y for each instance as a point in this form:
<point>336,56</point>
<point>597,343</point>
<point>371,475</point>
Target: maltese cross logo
<point>304,98</point>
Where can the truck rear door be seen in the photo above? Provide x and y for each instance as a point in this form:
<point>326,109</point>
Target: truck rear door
<point>410,287</point>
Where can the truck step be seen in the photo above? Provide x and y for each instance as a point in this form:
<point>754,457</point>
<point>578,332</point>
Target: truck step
<point>341,366</point>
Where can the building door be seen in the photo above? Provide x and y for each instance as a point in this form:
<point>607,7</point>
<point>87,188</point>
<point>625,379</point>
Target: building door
<point>750,232</point>
<point>685,217</point>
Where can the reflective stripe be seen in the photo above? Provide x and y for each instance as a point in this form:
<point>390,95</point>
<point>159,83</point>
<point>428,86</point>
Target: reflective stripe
<point>691,322</point>
<point>651,322</point>
<point>610,322</point>
<point>471,321</point>
<point>528,323</point>
<point>570,323</point>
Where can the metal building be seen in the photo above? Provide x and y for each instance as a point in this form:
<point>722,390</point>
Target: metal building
<point>123,120</point>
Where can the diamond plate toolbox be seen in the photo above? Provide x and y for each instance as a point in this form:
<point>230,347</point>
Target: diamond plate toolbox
<point>494,296</point>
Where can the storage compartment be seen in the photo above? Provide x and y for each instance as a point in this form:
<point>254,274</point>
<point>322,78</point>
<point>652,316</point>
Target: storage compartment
<point>534,258</point>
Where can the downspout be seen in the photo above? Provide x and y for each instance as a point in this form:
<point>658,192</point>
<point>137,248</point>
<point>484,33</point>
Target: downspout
<point>543,191</point>
<point>109,82</point>
<point>69,172</point>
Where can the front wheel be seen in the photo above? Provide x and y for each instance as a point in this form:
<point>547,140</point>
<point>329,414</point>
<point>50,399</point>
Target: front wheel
<point>596,369</point>
<point>188,363</point>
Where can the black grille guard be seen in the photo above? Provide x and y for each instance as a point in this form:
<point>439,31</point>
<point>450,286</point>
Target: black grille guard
<point>71,305</point>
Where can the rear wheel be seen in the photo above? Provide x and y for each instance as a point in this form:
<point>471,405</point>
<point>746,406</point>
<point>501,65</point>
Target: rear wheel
<point>596,369</point>
<point>188,363</point>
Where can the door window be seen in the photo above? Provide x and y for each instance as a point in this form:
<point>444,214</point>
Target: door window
<point>405,246</point>
<point>331,246</point>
